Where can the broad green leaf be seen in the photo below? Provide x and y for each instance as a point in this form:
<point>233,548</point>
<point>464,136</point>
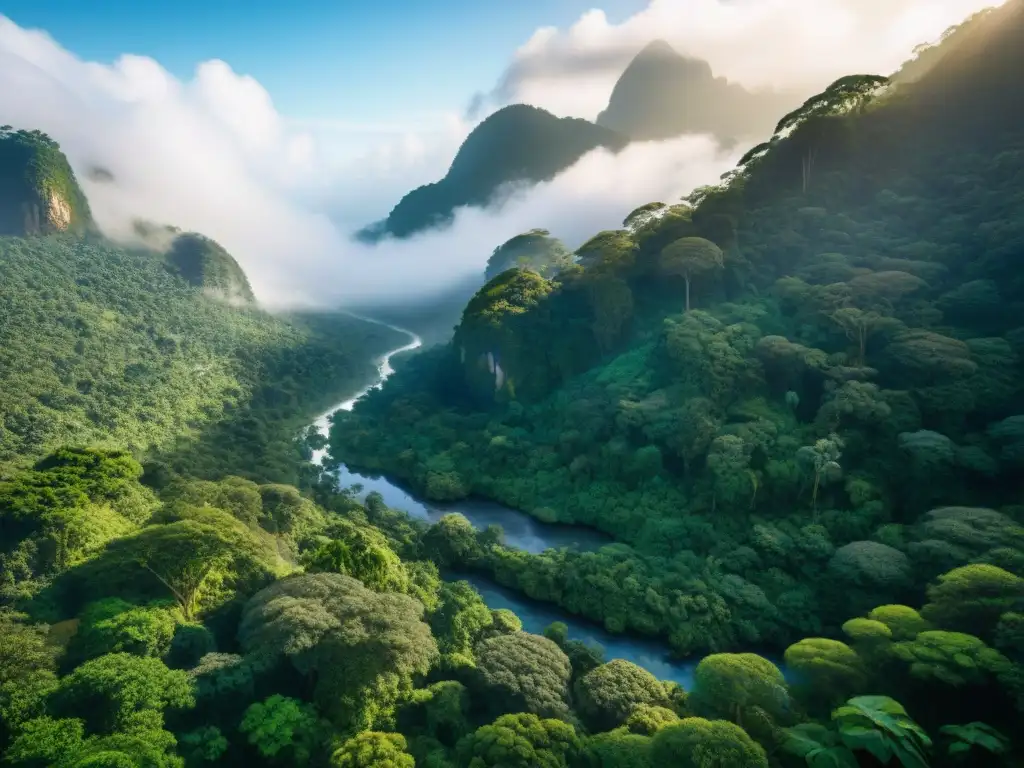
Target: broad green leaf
<point>801,740</point>
<point>975,734</point>
<point>832,757</point>
<point>859,737</point>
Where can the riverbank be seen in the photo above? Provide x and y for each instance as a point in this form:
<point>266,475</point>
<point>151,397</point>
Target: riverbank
<point>529,537</point>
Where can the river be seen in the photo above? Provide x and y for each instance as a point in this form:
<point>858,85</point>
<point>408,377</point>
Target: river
<point>523,532</point>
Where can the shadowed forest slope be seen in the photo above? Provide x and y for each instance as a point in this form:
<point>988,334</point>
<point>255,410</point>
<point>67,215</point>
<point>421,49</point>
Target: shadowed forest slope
<point>814,367</point>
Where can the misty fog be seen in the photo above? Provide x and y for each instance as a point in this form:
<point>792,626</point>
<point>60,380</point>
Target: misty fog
<point>213,155</point>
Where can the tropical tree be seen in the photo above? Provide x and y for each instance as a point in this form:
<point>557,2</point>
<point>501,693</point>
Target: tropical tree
<point>698,743</point>
<point>360,650</point>
<point>830,670</point>
<point>881,726</point>
<point>860,325</point>
<point>525,673</point>
<point>373,749</point>
<point>739,687</point>
<point>822,459</point>
<point>363,553</point>
<point>28,671</point>
<point>520,741</point>
<point>110,691</point>
<point>197,556</point>
<point>606,695</point>
<point>285,731</point>
<point>689,257</point>
<point>807,122</point>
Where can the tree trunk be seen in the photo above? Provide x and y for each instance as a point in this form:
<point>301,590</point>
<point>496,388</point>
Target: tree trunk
<point>687,293</point>
<point>814,495</point>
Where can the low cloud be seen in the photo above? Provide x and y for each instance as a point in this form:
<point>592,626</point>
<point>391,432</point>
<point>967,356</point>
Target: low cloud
<point>788,45</point>
<point>212,154</point>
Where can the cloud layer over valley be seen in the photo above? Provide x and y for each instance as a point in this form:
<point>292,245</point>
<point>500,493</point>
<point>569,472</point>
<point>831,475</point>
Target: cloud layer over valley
<point>799,45</point>
<point>212,154</point>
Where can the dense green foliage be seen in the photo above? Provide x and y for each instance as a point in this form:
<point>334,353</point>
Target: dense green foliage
<point>207,265</point>
<point>795,396</point>
<point>38,190</point>
<point>518,144</point>
<point>100,345</point>
<point>535,250</point>
<point>819,456</point>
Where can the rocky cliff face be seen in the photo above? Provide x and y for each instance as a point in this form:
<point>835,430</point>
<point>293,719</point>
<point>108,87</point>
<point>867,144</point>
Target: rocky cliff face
<point>39,194</point>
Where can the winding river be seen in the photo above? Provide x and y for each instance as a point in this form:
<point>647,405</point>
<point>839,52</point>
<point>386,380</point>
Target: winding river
<point>521,531</point>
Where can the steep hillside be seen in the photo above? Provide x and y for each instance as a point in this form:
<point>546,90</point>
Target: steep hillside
<point>662,94</point>
<point>137,349</point>
<point>38,191</point>
<point>802,390</point>
<point>536,250</point>
<point>788,400</point>
<point>102,345</point>
<point>516,144</point>
<point>205,264</point>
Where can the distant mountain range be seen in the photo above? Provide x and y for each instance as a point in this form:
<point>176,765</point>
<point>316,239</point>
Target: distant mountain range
<point>516,144</point>
<point>660,95</point>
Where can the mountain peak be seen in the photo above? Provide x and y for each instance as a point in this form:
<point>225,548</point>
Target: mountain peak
<point>657,48</point>
<point>518,143</point>
<point>663,93</point>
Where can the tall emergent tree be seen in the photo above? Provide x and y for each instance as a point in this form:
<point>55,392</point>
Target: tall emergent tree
<point>689,257</point>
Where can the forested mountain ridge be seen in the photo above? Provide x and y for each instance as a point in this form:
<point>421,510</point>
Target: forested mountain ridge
<point>99,344</point>
<point>39,193</point>
<point>662,94</point>
<point>516,144</point>
<point>205,264</point>
<point>143,348</point>
<point>771,429</point>
<point>793,397</point>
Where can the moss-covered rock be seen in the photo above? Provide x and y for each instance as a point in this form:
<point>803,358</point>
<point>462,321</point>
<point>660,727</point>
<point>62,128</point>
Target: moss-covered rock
<point>501,339</point>
<point>205,264</point>
<point>39,194</point>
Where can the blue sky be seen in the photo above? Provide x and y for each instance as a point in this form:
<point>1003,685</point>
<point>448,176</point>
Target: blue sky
<point>364,61</point>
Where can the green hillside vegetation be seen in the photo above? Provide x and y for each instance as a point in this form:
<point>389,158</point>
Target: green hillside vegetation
<point>205,264</point>
<point>516,144</point>
<point>235,624</point>
<point>793,396</point>
<point>104,346</point>
<point>38,190</point>
<point>536,250</point>
<point>794,401</point>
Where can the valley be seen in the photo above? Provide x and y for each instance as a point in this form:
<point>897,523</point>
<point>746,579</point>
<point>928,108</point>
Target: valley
<point>735,483</point>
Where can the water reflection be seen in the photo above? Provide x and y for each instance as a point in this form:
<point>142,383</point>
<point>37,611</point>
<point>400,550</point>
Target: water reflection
<point>521,530</point>
<point>649,654</point>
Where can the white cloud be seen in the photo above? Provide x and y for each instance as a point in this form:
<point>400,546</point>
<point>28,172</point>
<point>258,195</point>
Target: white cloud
<point>211,154</point>
<point>797,45</point>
